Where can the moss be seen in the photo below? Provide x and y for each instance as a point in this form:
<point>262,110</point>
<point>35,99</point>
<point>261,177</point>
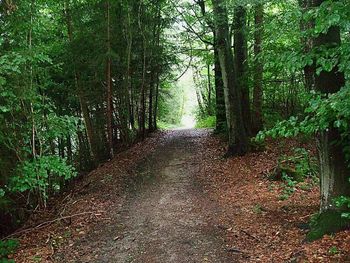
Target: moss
<point>328,222</point>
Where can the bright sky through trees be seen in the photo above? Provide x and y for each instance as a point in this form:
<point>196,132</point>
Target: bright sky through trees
<point>190,102</point>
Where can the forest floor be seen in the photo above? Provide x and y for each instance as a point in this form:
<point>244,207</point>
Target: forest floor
<point>174,198</point>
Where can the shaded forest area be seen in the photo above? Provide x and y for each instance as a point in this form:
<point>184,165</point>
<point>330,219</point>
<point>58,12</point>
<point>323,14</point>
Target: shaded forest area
<point>79,81</point>
<point>83,80</point>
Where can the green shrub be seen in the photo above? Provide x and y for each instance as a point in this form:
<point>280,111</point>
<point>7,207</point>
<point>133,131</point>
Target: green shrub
<point>294,170</point>
<point>41,176</point>
<point>344,202</point>
<point>165,126</point>
<point>207,122</point>
<point>7,247</point>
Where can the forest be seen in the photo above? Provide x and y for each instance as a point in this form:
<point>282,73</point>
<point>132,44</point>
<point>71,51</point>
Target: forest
<point>93,94</point>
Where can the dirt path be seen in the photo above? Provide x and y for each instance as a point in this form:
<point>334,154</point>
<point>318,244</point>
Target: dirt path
<point>165,217</point>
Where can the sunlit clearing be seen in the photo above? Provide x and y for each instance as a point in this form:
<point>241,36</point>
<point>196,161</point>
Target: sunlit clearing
<point>188,122</point>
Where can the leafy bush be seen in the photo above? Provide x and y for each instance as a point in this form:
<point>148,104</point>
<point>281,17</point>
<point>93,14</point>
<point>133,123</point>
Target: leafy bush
<point>207,122</point>
<point>41,176</point>
<point>321,114</point>
<point>7,248</point>
<point>294,170</point>
<point>289,186</point>
<point>164,125</point>
<point>344,201</point>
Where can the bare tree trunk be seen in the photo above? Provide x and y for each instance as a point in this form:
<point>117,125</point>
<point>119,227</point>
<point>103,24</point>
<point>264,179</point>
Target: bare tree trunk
<point>241,61</point>
<point>238,140</point>
<point>129,116</point>
<point>307,42</point>
<point>80,93</point>
<point>150,104</point>
<point>109,100</point>
<point>219,92</point>
<point>257,116</point>
<point>156,102</point>
<point>209,106</point>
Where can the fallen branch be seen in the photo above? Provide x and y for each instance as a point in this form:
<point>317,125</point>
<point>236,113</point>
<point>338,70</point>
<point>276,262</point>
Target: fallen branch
<point>250,235</point>
<point>234,250</point>
<point>44,224</point>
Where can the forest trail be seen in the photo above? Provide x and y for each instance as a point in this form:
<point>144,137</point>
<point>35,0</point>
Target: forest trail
<point>166,217</point>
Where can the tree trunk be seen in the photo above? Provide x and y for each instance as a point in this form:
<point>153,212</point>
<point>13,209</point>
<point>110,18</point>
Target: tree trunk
<point>156,102</point>
<point>309,70</point>
<point>81,96</point>
<point>128,87</point>
<point>150,104</point>
<point>142,104</point>
<point>241,61</point>
<point>334,170</point>
<point>109,85</point>
<point>238,140</point>
<point>219,94</point>
<point>209,106</point>
<point>257,115</point>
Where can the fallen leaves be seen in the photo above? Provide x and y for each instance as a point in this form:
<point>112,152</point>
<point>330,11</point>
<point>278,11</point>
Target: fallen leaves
<point>72,215</point>
<point>256,224</point>
<point>257,221</point>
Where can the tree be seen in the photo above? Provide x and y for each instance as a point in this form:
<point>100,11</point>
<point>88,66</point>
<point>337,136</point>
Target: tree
<point>109,98</point>
<point>257,110</point>
<point>238,140</point>
<point>306,25</point>
<point>334,168</point>
<point>241,64</point>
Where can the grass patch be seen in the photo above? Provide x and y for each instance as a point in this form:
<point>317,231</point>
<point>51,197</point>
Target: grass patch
<point>208,122</point>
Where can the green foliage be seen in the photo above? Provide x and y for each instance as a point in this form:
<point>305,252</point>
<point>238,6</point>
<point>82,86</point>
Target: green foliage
<point>208,122</point>
<point>333,250</point>
<point>328,222</point>
<point>296,171</point>
<point>289,186</point>
<point>303,163</point>
<point>322,113</point>
<point>343,202</point>
<point>165,126</point>
<point>41,175</point>
<point>7,247</point>
<point>171,106</point>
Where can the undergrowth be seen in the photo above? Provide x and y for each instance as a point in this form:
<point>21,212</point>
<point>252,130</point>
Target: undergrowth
<point>7,247</point>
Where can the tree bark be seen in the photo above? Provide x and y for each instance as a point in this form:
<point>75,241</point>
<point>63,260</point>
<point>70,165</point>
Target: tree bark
<point>156,102</point>
<point>257,111</point>
<point>219,92</point>
<point>109,99</point>
<point>81,96</point>
<point>150,103</point>
<point>238,140</point>
<point>334,169</point>
<point>241,62</point>
<point>307,42</point>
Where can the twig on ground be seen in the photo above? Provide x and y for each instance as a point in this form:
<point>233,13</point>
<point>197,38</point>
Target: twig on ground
<point>44,224</point>
<point>250,235</point>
